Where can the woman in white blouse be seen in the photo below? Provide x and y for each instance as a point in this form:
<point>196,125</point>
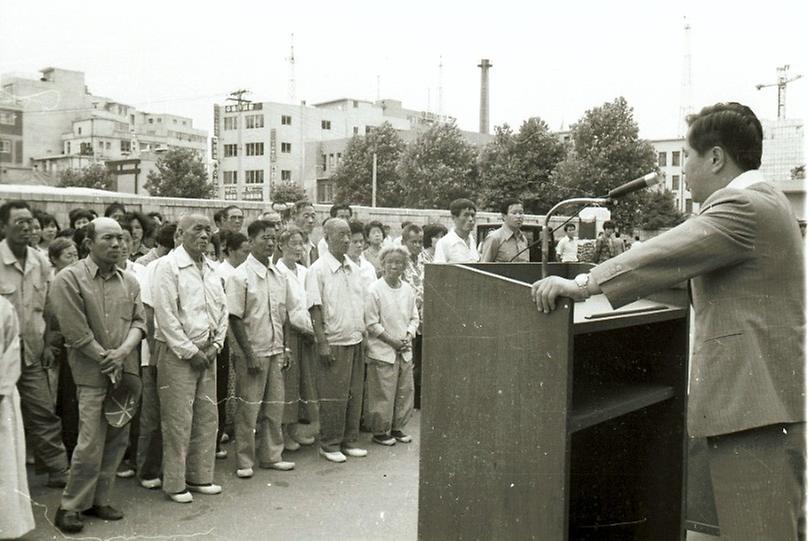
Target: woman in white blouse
<point>299,379</point>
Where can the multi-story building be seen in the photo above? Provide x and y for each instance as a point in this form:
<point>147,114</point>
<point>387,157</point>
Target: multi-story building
<point>65,126</point>
<point>11,140</point>
<point>257,144</point>
<point>670,160</point>
<point>783,148</point>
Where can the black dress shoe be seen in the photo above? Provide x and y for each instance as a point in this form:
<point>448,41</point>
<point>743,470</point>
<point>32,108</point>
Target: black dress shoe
<point>69,521</point>
<point>105,512</point>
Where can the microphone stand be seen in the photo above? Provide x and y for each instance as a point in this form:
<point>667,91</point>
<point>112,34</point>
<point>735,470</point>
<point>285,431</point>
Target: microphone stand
<point>546,229</point>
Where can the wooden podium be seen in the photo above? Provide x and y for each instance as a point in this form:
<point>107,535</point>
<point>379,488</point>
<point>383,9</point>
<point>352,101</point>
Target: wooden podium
<point>550,427</point>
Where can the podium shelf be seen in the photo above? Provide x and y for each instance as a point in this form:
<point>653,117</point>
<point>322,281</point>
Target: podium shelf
<point>596,314</point>
<point>592,408</point>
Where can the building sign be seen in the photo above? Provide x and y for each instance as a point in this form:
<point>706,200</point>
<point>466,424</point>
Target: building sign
<point>272,145</point>
<point>216,115</point>
<point>214,145</point>
<point>243,107</point>
<point>253,193</point>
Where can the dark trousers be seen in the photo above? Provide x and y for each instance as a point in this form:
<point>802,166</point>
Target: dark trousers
<point>67,404</point>
<point>758,482</point>
<point>222,377</point>
<point>417,371</point>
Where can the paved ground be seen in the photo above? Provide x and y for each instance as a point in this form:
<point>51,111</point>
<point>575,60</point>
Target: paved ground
<point>366,498</point>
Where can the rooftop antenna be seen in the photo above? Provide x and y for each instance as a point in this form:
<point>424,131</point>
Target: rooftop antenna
<point>686,107</point>
<point>291,60</point>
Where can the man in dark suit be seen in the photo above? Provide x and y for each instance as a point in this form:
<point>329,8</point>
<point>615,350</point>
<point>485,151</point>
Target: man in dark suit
<point>744,256</point>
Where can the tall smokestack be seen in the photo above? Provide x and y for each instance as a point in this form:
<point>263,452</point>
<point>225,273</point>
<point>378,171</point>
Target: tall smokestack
<point>484,94</point>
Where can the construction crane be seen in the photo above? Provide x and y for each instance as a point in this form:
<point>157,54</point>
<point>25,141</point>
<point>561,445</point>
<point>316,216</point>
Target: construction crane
<point>782,89</point>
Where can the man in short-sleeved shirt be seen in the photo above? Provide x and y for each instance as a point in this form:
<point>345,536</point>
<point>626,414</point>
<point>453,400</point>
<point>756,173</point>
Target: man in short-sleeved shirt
<point>335,295</point>
<point>507,243</point>
<point>459,246</point>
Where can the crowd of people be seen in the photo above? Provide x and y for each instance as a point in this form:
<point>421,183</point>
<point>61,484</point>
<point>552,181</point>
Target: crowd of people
<point>137,346</point>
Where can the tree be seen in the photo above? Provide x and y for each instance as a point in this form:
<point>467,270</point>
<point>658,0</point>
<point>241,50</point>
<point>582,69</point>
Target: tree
<point>606,152</point>
<point>180,173</point>
<point>658,210</point>
<point>798,172</point>
<point>438,167</point>
<point>287,192</point>
<point>94,176</point>
<point>519,166</point>
<point>353,179</point>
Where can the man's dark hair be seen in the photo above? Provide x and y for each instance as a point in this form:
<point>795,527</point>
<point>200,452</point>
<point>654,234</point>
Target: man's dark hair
<point>166,234</point>
<point>79,236</point>
<point>609,224</point>
<point>375,224</point>
<point>300,205</point>
<point>432,231</point>
<point>732,126</point>
<point>259,226</point>
<point>506,204</point>
<point>126,226</point>
<point>410,228</point>
<point>234,241</point>
<point>340,206</point>
<point>357,227</point>
<point>228,209</point>
<point>460,205</point>
<point>66,233</point>
<point>6,208</point>
<point>112,207</point>
<point>157,215</point>
<point>568,227</point>
<point>77,214</point>
<point>406,223</point>
<point>218,216</point>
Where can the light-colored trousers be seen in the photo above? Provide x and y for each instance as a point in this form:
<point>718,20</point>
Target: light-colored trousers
<point>260,405</point>
<point>42,426</point>
<point>339,390</point>
<point>389,395</point>
<point>99,450</point>
<point>188,419</point>
<point>15,505</point>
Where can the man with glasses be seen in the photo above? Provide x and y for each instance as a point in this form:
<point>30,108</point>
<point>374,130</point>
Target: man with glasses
<point>233,219</point>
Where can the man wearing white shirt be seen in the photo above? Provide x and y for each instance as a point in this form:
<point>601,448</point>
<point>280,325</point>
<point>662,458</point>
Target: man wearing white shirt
<point>192,320</point>
<point>568,248</point>
<point>459,246</point>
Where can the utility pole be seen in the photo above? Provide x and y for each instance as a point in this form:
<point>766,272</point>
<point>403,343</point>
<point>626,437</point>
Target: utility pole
<point>238,97</point>
<point>373,180</point>
<point>781,83</point>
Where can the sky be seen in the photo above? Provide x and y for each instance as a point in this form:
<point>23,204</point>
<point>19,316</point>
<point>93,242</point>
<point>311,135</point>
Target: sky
<point>552,60</point>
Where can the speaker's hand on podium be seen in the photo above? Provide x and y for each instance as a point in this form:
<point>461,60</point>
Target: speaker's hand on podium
<point>545,292</point>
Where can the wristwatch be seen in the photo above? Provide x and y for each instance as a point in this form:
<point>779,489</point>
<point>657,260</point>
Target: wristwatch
<point>583,280</point>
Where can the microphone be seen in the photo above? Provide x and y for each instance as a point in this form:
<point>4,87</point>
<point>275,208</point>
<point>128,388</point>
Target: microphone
<point>646,181</point>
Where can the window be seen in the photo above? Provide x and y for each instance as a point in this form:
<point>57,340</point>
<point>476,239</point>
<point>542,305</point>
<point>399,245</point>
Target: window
<point>675,158</point>
<point>286,174</point>
<point>356,130</point>
<point>7,118</point>
<point>86,149</point>
<point>151,121</point>
<point>67,147</point>
<point>254,121</point>
<point>231,150</point>
<point>356,104</point>
<point>230,177</point>
<point>661,159</point>
<point>101,145</point>
<point>675,182</point>
<point>689,206</point>
<point>339,158</point>
<point>325,191</point>
<point>325,124</point>
<point>107,144</point>
<point>286,120</point>
<point>160,119</point>
<point>254,176</point>
<point>368,129</point>
<point>5,146</point>
<point>323,162</point>
<point>231,122</point>
<point>254,149</point>
<point>286,147</point>
<point>126,146</point>
<point>174,120</point>
<point>79,130</point>
<point>331,161</point>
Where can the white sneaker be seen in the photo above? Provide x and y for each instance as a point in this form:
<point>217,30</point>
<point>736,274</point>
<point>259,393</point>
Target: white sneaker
<point>182,497</point>
<point>281,465</point>
<point>304,440</point>
<point>356,452</point>
<point>244,473</point>
<point>333,456</point>
<point>151,483</point>
<point>125,473</point>
<point>291,445</point>
<point>205,489</point>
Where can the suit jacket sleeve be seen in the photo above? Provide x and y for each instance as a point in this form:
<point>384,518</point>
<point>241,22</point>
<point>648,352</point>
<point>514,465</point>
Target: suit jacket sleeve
<point>722,234</point>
